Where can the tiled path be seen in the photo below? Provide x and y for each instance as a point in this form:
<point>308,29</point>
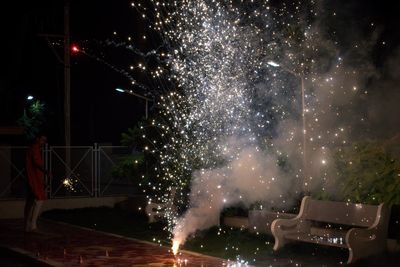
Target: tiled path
<point>66,245</point>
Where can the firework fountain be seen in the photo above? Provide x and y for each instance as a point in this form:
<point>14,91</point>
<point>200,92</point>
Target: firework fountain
<point>237,114</point>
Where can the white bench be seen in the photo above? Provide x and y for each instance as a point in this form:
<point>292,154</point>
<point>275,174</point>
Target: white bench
<point>157,211</point>
<point>362,229</point>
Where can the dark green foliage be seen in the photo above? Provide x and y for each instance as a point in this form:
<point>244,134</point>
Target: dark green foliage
<point>132,137</point>
<point>33,120</point>
<point>143,164</point>
<point>369,174</point>
<point>131,166</point>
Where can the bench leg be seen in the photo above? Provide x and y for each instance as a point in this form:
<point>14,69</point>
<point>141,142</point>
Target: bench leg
<point>280,240</point>
<point>151,218</point>
<point>293,225</point>
<point>279,243</point>
<point>363,250</point>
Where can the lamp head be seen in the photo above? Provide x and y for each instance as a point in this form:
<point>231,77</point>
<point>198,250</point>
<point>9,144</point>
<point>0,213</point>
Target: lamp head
<point>273,63</point>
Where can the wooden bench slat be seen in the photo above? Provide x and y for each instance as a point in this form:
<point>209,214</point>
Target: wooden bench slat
<point>341,213</point>
<point>322,240</point>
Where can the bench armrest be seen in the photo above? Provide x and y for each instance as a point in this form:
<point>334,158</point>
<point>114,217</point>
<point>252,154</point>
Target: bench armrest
<point>284,224</point>
<point>365,242</point>
<point>356,235</point>
<point>281,227</point>
<point>376,232</point>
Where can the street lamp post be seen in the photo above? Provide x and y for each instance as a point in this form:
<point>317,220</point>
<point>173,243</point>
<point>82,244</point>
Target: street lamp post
<point>137,95</point>
<point>303,115</point>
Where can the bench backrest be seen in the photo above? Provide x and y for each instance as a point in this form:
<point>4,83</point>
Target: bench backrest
<point>361,215</point>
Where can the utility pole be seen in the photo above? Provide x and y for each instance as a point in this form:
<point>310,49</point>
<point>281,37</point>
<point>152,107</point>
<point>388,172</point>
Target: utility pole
<point>67,76</point>
<point>67,82</point>
<point>67,69</point>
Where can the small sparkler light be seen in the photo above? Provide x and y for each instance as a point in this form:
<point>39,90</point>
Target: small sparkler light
<point>69,184</point>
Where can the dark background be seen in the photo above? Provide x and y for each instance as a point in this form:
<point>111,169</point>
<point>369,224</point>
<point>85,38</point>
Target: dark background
<point>98,112</point>
<point>30,67</point>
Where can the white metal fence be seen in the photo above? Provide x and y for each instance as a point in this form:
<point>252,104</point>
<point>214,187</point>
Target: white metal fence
<point>77,171</point>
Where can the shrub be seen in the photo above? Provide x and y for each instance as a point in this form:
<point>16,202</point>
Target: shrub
<point>369,173</point>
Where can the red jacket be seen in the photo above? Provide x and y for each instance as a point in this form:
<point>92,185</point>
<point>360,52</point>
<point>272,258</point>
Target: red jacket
<point>35,171</point>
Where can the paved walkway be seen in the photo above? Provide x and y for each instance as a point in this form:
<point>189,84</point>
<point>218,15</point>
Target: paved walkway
<point>60,244</point>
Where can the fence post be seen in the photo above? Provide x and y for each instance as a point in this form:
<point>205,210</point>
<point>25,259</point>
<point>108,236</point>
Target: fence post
<point>96,182</point>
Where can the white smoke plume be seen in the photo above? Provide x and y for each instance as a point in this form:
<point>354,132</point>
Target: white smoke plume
<point>252,176</point>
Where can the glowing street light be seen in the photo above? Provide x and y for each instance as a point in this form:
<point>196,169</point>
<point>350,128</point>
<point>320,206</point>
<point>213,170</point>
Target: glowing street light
<point>303,115</point>
<point>29,97</point>
<point>273,63</point>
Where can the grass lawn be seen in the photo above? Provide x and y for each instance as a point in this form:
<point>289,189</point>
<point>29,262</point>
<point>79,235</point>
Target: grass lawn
<point>223,242</point>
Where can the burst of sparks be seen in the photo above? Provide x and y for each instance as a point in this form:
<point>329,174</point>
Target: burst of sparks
<point>69,183</point>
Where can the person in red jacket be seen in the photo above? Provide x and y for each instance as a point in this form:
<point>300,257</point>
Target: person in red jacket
<point>36,185</point>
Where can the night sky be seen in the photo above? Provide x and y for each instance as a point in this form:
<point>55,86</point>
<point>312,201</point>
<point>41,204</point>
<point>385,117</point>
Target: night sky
<point>99,113</point>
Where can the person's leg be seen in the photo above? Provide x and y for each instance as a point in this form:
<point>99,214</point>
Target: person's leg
<point>28,211</point>
<point>35,214</point>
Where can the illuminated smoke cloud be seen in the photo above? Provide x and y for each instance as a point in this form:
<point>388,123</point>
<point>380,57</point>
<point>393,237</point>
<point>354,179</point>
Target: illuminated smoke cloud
<point>252,176</point>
